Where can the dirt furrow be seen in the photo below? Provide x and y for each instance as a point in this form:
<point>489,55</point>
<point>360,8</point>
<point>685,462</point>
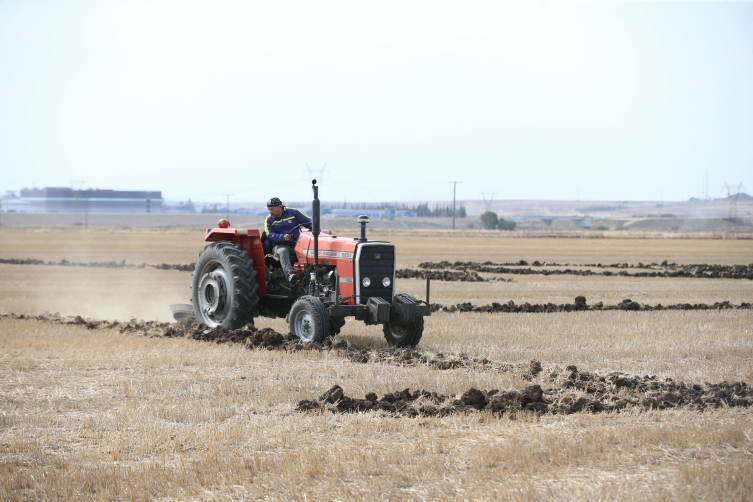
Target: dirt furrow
<point>469,271</point>
<point>564,393</point>
<point>580,305</point>
<point>701,271</point>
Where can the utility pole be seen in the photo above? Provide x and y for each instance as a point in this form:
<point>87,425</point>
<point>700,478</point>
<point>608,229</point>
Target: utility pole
<point>454,187</point>
<point>76,196</point>
<point>488,203</point>
<point>316,173</point>
<point>227,207</point>
<point>733,193</point>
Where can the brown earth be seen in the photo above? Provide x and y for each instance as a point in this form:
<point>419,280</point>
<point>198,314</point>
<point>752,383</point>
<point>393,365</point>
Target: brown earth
<point>93,413</point>
<point>184,245</point>
<point>664,270</point>
<point>603,393</point>
<point>579,305</point>
<point>468,271</point>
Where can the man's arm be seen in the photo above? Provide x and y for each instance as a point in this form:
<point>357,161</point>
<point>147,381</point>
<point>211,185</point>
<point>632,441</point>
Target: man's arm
<point>301,217</point>
<point>273,237</point>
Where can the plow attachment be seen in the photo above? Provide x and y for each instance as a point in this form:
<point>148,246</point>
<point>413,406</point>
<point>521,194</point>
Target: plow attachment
<point>182,311</point>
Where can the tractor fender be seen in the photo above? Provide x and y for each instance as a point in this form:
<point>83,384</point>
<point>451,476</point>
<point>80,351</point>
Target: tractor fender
<point>250,241</point>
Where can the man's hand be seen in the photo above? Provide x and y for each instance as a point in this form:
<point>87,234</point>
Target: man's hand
<point>287,237</point>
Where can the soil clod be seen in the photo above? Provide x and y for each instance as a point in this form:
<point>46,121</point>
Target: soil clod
<point>701,271</point>
<point>581,392</point>
<point>557,391</point>
<point>579,305</point>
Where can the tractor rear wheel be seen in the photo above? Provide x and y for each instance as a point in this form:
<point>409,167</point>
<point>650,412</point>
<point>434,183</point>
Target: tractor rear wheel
<point>404,334</point>
<point>309,319</point>
<point>224,286</point>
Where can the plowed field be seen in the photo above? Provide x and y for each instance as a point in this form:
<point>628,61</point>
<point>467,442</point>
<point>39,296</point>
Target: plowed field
<point>574,403</point>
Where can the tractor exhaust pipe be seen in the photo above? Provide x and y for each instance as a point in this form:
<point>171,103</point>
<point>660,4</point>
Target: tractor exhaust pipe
<point>363,220</point>
<point>315,221</point>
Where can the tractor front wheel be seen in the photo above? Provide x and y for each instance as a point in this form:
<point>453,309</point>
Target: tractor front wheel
<point>309,320</point>
<point>224,286</point>
<point>404,334</point>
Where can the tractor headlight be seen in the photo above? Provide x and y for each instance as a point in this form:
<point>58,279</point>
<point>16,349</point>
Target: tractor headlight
<point>386,282</point>
<point>366,282</point>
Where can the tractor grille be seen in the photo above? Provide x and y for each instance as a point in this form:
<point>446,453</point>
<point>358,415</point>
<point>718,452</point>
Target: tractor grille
<point>375,261</point>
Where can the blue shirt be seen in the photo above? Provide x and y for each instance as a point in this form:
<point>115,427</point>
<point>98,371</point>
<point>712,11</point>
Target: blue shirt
<point>277,228</point>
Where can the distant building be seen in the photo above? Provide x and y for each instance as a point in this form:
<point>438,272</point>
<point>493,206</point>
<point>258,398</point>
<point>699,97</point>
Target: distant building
<point>68,200</point>
<point>571,221</point>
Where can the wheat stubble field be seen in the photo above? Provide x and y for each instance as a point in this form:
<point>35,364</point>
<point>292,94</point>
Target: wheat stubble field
<point>101,415</point>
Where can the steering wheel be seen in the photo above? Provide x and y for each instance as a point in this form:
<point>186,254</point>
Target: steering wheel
<point>299,226</point>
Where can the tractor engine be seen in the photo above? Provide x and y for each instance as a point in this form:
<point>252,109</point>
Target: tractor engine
<point>352,277</point>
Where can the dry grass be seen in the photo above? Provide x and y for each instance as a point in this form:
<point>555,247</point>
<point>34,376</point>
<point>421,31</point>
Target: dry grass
<point>183,246</point>
<point>100,415</point>
<point>563,289</point>
<point>104,245</point>
<point>412,250</point>
<point>147,294</point>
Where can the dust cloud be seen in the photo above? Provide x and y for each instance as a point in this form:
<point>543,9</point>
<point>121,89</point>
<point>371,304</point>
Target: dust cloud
<point>96,293</point>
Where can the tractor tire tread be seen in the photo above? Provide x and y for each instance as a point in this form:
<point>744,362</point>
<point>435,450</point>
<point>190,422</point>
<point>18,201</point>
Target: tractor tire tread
<point>240,268</point>
<point>319,314</point>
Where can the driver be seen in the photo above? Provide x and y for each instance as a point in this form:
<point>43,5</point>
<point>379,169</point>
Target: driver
<point>281,236</point>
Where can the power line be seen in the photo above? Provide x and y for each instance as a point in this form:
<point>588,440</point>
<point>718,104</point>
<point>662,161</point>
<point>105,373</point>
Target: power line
<point>353,186</point>
<point>245,190</point>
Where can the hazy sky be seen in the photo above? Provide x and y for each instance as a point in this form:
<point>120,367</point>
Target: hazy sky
<point>531,100</point>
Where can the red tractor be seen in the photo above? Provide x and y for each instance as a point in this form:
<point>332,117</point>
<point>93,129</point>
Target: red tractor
<point>338,277</point>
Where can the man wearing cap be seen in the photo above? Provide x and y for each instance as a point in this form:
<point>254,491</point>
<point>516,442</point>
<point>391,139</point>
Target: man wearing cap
<point>281,237</point>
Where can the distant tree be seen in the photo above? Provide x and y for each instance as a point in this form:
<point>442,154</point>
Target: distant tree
<point>422,209</point>
<point>489,220</point>
<point>504,224</point>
